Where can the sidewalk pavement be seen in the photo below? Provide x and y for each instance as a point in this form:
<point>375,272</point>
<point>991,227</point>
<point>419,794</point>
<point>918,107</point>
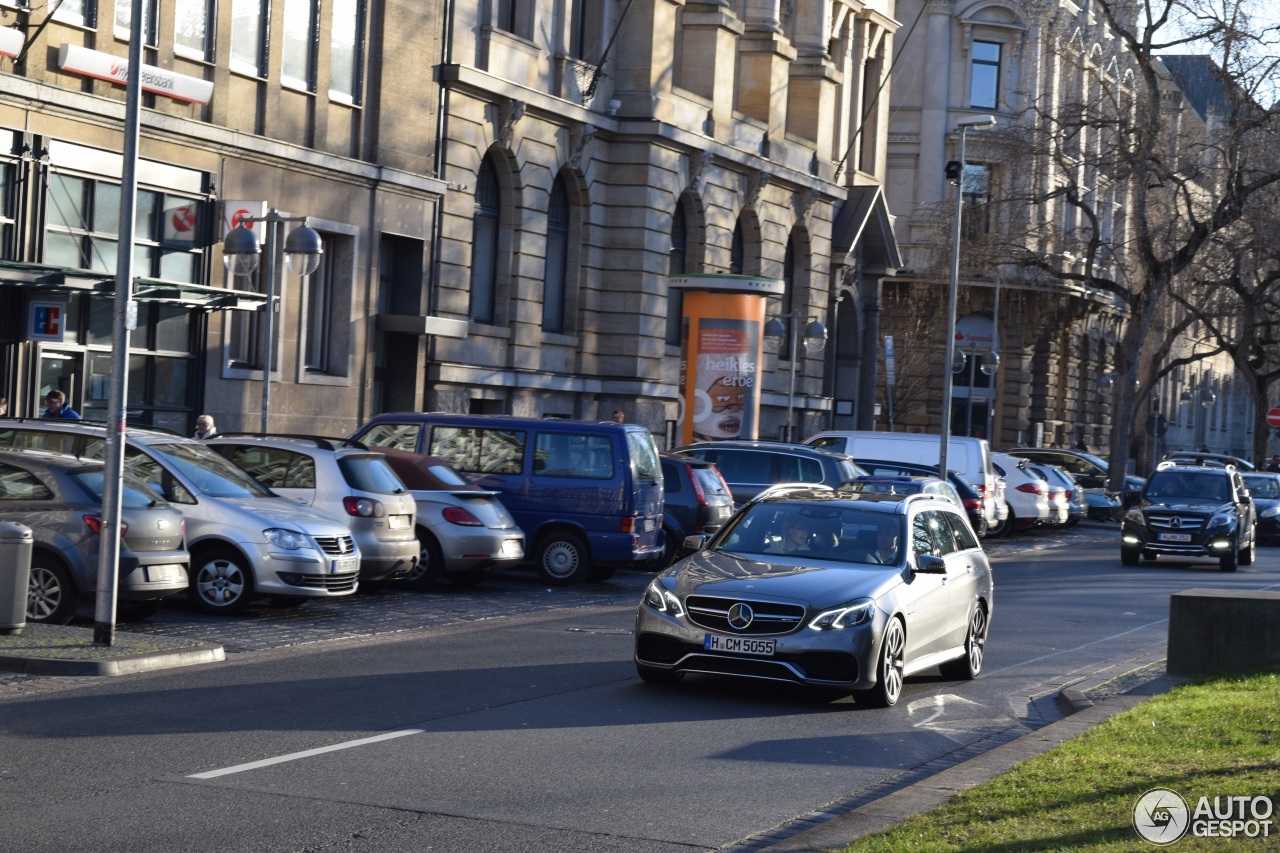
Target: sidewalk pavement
<point>40,649</point>
<point>1113,689</point>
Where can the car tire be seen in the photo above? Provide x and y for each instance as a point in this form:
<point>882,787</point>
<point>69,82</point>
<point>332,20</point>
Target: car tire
<point>1129,556</point>
<point>889,667</point>
<point>1228,561</point>
<point>968,667</point>
<point>562,559</point>
<point>652,675</point>
<point>136,611</point>
<point>430,567</point>
<point>220,581</point>
<point>51,594</point>
<point>1247,554</point>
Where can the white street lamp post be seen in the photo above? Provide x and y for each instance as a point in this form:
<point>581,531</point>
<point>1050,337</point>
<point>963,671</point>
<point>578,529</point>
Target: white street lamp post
<point>240,252</point>
<point>944,439</point>
<point>815,339</point>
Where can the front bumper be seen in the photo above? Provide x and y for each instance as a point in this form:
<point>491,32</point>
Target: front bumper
<point>842,658</point>
<point>1203,544</point>
<point>380,560</point>
<point>305,573</point>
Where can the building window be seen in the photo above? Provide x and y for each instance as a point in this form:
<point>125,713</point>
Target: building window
<point>191,28</point>
<point>677,265</point>
<point>737,250</point>
<point>984,80</point>
<point>504,15</point>
<point>346,53</point>
<point>318,292</point>
<point>247,44</point>
<point>557,269</point>
<point>586,38</point>
<point>298,52</point>
<point>78,12</point>
<point>788,305</point>
<point>8,206</point>
<point>484,244</point>
<point>83,223</point>
<point>976,211</point>
<point>124,18</point>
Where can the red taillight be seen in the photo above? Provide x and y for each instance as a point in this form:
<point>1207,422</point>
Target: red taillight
<point>363,507</point>
<point>972,503</point>
<point>1029,488</point>
<point>629,524</point>
<point>458,515</point>
<point>94,523</point>
<point>697,487</point>
<point>1070,493</point>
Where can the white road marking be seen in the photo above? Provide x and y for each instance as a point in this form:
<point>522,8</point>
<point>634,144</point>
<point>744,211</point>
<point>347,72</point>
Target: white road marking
<point>307,753</point>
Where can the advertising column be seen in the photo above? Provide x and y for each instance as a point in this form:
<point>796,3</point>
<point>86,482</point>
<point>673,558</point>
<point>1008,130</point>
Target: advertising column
<point>721,346</point>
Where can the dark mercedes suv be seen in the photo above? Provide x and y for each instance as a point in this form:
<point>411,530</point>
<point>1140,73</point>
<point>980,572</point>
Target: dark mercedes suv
<point>1191,511</point>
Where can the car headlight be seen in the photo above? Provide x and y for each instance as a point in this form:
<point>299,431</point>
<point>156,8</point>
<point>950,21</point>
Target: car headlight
<point>1222,519</point>
<point>289,540</point>
<point>1134,516</point>
<point>663,600</point>
<point>857,613</point>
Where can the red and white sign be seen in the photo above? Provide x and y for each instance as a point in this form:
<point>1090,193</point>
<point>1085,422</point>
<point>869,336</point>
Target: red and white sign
<point>1273,418</point>
<point>11,42</point>
<point>235,212</point>
<point>180,225</point>
<point>109,67</point>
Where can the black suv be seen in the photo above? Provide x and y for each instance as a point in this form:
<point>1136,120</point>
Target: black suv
<point>750,467</point>
<point>695,500</point>
<point>1191,511</point>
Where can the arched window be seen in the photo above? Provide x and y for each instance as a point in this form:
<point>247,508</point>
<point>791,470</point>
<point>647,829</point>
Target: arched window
<point>788,306</point>
<point>737,250</point>
<point>557,268</point>
<point>677,264</point>
<point>484,244</point>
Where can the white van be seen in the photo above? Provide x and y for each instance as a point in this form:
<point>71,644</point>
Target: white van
<point>970,456</point>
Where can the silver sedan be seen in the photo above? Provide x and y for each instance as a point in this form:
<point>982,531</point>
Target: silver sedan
<point>827,588</point>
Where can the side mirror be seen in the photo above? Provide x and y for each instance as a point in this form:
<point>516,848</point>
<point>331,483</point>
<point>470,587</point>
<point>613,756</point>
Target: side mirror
<point>927,564</point>
<point>691,545</point>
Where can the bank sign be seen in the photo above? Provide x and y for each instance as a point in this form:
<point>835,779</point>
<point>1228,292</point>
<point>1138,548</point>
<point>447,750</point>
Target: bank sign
<point>109,67</point>
<point>46,321</point>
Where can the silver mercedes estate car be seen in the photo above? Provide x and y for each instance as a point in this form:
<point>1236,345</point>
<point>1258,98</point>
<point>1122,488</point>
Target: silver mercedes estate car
<point>823,587</point>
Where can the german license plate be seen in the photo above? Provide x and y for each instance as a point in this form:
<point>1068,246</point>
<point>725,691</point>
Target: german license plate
<point>398,522</point>
<point>346,564</point>
<point>738,645</point>
<point>164,573</point>
<point>1175,537</point>
<point>651,523</point>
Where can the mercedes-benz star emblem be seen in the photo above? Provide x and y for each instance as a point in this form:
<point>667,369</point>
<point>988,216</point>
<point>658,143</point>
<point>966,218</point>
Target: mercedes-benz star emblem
<point>1175,522</point>
<point>740,616</point>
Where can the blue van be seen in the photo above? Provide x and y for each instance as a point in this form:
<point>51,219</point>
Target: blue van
<point>588,495</point>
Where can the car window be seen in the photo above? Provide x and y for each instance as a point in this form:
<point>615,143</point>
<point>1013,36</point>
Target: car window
<point>672,482</point>
<point>1263,486</point>
<point>39,439</point>
<point>644,455</point>
<point>210,473</point>
<point>479,450</point>
<point>17,484</point>
<point>848,470</point>
<point>931,534</point>
<point>579,455</point>
<point>709,480</point>
<point>798,469</point>
<point>132,493</point>
<point>742,466</point>
<point>399,436</point>
<point>370,474</point>
<point>273,467</point>
<point>819,532</point>
<point>448,476</point>
<point>965,540</point>
<point>141,466</point>
<point>830,442</point>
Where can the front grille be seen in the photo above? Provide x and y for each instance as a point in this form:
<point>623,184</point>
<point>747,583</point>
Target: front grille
<point>768,617</point>
<point>1180,522</point>
<point>344,582</point>
<point>338,546</point>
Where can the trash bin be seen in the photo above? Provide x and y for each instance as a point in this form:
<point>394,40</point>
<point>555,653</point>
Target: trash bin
<point>15,574</point>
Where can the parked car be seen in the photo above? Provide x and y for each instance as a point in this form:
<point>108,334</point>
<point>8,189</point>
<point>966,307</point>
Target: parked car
<point>1025,492</point>
<point>1091,472</point>
<point>60,498</point>
<point>696,500</point>
<point>1060,492</point>
<point>824,587</point>
<point>1264,489</point>
<point>1191,511</point>
<point>749,467</point>
<point>904,484</point>
<point>970,456</point>
<point>587,494</point>
<point>1101,505</point>
<point>969,495</point>
<point>464,531</point>
<point>1218,459</point>
<point>350,483</point>
<point>245,541</point>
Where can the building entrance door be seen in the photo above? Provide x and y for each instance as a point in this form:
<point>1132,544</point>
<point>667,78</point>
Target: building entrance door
<point>60,370</point>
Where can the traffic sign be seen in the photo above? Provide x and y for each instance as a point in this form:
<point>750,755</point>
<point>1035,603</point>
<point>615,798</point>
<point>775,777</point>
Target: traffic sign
<point>1273,418</point>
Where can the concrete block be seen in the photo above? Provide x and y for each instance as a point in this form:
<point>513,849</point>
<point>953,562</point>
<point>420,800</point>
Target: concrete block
<point>1223,630</point>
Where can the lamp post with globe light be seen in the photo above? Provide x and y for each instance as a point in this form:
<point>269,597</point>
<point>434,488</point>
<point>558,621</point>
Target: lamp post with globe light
<point>241,252</point>
<point>815,339</point>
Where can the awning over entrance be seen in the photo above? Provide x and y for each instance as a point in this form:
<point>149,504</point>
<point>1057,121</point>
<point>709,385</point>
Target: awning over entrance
<point>864,218</point>
<point>49,280</point>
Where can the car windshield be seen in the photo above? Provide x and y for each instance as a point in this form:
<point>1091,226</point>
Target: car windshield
<point>132,492</point>
<point>804,531</point>
<point>209,472</point>
<point>1262,486</point>
<point>1207,485</point>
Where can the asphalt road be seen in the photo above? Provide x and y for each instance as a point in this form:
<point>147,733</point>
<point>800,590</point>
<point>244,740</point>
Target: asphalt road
<point>509,718</point>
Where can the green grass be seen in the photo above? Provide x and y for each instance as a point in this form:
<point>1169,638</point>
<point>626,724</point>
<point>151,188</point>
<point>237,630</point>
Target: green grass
<point>1215,737</point>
